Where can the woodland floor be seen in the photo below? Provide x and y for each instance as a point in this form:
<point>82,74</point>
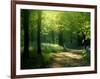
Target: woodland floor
<point>72,58</point>
<point>66,59</point>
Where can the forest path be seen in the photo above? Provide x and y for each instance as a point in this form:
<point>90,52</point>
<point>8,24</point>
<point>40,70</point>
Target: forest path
<point>66,59</point>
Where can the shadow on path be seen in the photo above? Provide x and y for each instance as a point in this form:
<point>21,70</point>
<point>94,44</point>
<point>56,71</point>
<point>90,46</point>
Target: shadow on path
<point>66,59</point>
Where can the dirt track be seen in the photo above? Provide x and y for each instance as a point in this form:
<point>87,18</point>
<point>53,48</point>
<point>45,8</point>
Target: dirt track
<point>66,59</point>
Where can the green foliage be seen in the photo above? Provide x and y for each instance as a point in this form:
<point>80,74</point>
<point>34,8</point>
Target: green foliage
<point>71,24</point>
<point>86,56</point>
<point>47,58</point>
<point>58,31</point>
<point>48,48</point>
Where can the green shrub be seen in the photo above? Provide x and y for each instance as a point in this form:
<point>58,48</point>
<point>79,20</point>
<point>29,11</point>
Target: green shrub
<point>86,56</point>
<point>46,47</point>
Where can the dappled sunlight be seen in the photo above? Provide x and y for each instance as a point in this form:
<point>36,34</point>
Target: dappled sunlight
<point>68,54</point>
<point>52,38</point>
<point>66,59</point>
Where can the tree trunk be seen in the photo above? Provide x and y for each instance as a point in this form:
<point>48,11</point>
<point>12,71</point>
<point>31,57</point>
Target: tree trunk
<point>26,33</point>
<point>71,38</point>
<point>38,33</point>
<point>53,37</point>
<point>84,41</point>
<point>39,52</point>
<point>61,38</point>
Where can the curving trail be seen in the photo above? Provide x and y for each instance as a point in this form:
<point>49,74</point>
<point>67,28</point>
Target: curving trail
<point>66,59</point>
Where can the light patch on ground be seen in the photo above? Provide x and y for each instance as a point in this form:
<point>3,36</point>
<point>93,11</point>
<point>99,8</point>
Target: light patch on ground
<point>66,59</point>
